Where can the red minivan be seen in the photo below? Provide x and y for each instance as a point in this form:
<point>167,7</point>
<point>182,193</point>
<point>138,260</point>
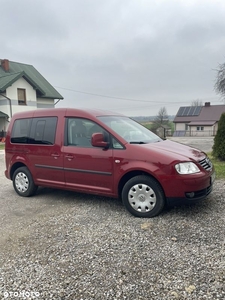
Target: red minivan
<point>103,153</point>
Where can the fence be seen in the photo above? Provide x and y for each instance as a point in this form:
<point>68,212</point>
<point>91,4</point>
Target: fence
<point>194,133</point>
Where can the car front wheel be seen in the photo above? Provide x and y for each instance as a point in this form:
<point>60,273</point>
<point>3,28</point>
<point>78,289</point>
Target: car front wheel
<point>143,196</point>
<point>23,182</point>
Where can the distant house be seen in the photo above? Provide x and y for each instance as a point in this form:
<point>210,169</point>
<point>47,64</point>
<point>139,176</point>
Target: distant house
<point>198,120</point>
<point>163,131</point>
<point>22,88</point>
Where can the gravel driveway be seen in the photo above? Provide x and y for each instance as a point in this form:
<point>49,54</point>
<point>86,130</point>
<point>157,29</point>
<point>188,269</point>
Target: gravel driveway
<point>64,245</point>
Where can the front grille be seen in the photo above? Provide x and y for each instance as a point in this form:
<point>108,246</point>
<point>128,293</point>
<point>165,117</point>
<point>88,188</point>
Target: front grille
<point>206,163</point>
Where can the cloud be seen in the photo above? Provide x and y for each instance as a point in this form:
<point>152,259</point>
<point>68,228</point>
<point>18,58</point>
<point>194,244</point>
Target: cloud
<point>159,51</point>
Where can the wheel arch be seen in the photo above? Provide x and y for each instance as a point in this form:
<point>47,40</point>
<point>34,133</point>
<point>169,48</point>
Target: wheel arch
<point>132,174</point>
<point>15,167</point>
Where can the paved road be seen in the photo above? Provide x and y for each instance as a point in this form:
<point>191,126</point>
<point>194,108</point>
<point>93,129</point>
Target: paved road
<point>202,143</point>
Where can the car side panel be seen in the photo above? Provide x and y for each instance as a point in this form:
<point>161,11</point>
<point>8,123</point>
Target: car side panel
<point>88,169</point>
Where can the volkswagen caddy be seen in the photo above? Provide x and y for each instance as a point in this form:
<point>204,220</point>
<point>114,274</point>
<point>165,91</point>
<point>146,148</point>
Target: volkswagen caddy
<point>103,153</point>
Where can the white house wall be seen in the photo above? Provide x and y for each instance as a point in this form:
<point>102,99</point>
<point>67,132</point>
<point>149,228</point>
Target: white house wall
<point>3,124</point>
<point>215,128</point>
<point>4,106</point>
<point>208,131</point>
<point>31,99</point>
<point>192,131</point>
<point>180,126</point>
<point>45,103</point>
<point>32,102</point>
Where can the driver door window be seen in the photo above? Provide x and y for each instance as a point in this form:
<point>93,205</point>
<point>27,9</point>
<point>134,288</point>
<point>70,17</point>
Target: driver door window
<point>79,132</point>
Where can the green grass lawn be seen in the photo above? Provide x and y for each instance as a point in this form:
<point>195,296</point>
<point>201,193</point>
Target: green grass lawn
<point>219,167</point>
<point>2,146</point>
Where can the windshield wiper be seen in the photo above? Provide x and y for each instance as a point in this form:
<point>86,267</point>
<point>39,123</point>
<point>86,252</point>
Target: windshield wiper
<point>140,142</point>
<point>146,142</point>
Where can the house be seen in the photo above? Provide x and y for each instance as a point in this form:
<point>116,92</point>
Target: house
<point>198,120</point>
<point>163,131</point>
<point>22,88</point>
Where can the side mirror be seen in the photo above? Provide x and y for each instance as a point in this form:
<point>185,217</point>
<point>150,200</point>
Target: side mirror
<point>97,140</point>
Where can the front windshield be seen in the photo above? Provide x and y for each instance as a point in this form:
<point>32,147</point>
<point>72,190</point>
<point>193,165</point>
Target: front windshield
<point>130,130</point>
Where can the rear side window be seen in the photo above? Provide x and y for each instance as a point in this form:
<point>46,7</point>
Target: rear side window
<point>43,130</point>
<point>20,131</point>
<point>34,131</point>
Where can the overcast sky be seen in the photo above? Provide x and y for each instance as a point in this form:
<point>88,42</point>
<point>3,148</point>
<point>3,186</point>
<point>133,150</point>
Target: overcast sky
<point>101,53</point>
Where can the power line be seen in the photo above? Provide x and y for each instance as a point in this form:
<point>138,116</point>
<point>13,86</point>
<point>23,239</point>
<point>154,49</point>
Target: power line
<point>134,100</point>
<point>112,97</point>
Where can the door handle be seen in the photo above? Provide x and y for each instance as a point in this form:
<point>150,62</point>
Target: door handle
<point>55,155</point>
<point>69,156</point>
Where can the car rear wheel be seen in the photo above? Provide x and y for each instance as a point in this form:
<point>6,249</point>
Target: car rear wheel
<point>143,196</point>
<point>23,182</point>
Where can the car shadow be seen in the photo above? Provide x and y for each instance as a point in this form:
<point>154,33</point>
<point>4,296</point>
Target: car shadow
<point>55,196</point>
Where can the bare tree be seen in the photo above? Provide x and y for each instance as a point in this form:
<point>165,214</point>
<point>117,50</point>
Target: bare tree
<point>162,117</point>
<point>160,120</point>
<point>220,80</point>
<point>196,102</point>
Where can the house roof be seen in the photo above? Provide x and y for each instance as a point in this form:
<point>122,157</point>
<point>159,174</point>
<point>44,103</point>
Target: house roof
<point>30,74</point>
<point>209,123</point>
<point>206,114</point>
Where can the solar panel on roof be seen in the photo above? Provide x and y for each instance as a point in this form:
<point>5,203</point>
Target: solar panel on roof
<point>188,111</point>
<point>197,110</point>
<point>192,110</point>
<point>180,111</point>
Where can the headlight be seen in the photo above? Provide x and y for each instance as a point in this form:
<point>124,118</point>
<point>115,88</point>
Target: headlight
<point>187,168</point>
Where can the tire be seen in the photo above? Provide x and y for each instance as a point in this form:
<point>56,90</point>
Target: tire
<point>23,182</point>
<point>143,196</point>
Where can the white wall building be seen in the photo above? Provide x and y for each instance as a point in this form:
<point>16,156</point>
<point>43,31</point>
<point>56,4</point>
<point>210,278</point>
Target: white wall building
<point>198,120</point>
<point>22,88</point>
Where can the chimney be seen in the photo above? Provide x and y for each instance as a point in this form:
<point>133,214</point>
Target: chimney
<point>207,104</point>
<point>5,64</point>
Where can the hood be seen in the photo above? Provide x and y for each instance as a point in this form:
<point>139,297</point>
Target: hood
<point>174,150</point>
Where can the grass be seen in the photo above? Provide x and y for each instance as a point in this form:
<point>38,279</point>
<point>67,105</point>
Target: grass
<point>219,165</point>
<point>148,125</point>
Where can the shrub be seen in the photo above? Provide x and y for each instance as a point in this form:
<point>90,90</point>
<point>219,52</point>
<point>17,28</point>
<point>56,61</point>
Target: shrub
<point>219,140</point>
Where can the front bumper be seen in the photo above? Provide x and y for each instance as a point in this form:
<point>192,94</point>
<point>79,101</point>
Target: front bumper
<point>190,197</point>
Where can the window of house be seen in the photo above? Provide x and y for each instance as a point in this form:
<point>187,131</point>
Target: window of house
<point>200,128</point>
<point>21,96</point>
<point>186,127</point>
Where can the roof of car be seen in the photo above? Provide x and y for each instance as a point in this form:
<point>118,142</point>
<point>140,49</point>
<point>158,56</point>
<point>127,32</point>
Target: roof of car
<point>75,112</point>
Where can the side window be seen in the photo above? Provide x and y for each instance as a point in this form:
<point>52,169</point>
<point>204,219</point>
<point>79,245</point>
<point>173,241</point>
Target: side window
<point>20,131</point>
<point>43,130</point>
<point>116,144</point>
<point>79,132</point>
